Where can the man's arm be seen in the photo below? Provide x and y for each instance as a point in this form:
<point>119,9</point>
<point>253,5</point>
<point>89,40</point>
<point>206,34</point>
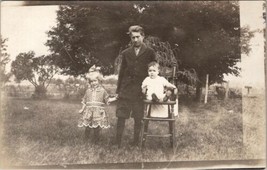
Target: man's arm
<point>121,73</point>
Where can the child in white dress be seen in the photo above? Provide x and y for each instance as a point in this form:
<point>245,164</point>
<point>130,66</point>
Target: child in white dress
<point>93,114</point>
<point>153,86</point>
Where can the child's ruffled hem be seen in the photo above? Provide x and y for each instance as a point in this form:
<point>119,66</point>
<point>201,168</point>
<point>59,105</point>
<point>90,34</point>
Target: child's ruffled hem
<point>94,126</point>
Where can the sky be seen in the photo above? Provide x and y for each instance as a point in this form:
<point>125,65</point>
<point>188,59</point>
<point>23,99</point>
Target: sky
<point>252,66</point>
<point>26,27</point>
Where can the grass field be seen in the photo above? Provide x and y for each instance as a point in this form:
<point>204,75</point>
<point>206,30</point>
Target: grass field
<point>45,132</point>
<point>254,127</point>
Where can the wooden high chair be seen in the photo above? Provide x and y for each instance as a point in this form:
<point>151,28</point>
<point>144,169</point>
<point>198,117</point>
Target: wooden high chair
<point>169,74</point>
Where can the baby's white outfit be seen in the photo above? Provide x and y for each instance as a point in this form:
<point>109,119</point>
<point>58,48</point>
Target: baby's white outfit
<point>156,86</point>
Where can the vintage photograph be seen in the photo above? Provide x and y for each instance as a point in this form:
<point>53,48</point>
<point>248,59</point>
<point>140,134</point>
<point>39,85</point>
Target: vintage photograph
<point>132,84</point>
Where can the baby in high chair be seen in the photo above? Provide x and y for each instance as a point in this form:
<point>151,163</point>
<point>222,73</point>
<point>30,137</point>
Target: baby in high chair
<point>157,89</point>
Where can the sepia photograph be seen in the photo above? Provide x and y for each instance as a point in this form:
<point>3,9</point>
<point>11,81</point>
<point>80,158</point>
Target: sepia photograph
<point>133,84</point>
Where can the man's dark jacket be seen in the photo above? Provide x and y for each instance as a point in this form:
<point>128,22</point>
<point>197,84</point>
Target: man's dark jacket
<point>133,71</point>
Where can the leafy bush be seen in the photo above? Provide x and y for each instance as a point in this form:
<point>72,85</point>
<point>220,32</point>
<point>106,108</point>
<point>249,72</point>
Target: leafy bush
<point>220,92</point>
<point>111,79</point>
<point>235,93</point>
<point>40,92</point>
<point>11,90</point>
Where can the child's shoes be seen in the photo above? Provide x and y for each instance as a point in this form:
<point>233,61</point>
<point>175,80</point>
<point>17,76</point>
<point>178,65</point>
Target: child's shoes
<point>166,98</point>
<point>154,98</point>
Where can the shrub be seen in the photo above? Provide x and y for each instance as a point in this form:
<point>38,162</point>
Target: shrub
<point>111,79</point>
<point>11,90</point>
<point>40,92</point>
<point>235,93</point>
<point>220,92</point>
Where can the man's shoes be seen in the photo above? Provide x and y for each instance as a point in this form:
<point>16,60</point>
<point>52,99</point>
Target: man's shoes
<point>154,98</point>
<point>116,143</point>
<point>134,143</point>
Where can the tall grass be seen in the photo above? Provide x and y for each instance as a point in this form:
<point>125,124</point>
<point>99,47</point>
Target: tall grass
<point>47,134</point>
<point>254,126</point>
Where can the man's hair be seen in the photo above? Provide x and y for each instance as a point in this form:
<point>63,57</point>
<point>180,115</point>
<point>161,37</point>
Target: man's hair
<point>136,28</point>
<point>154,64</point>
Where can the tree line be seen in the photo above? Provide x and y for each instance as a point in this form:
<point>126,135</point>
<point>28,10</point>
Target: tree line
<point>204,36</point>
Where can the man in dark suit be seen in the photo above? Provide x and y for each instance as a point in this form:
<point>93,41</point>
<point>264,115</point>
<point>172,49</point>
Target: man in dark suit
<point>133,71</point>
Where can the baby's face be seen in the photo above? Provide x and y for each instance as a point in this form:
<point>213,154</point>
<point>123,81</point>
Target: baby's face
<point>153,72</point>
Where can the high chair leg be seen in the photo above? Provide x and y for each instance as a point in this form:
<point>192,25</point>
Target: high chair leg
<point>171,132</point>
<point>145,132</point>
<point>142,134</point>
<point>173,136</point>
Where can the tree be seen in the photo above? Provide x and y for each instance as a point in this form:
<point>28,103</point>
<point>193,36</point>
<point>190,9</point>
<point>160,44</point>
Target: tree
<point>205,35</point>
<point>4,59</point>
<point>89,34</point>
<point>37,70</point>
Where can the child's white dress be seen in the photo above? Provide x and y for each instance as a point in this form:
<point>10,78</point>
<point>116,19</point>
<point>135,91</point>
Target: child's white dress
<point>94,114</point>
<point>156,86</point>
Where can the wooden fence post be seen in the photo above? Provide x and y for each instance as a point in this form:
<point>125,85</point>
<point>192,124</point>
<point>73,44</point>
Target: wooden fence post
<point>227,90</point>
<point>207,89</point>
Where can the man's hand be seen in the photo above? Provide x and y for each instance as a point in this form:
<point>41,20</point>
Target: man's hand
<point>81,111</point>
<point>112,99</point>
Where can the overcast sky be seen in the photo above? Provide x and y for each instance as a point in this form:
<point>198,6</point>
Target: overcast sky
<point>26,27</point>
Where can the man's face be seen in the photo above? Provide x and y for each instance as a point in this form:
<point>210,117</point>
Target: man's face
<point>137,39</point>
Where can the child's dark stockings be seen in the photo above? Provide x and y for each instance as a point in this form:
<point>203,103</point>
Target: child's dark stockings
<point>96,133</point>
<point>87,133</point>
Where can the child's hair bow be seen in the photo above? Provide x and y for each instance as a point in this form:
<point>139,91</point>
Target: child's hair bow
<point>94,72</point>
<point>94,69</point>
